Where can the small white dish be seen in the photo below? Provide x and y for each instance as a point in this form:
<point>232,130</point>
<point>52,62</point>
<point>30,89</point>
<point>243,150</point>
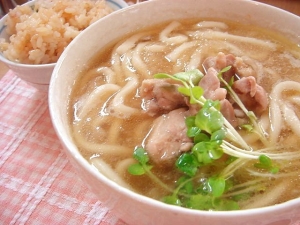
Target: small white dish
<point>39,75</point>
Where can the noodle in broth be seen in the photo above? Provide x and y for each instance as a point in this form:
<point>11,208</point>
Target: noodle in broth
<point>109,120</point>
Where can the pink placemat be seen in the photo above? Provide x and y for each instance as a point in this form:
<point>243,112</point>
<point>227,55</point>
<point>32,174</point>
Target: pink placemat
<point>37,183</point>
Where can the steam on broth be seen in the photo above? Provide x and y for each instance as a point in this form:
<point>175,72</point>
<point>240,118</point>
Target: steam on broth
<point>118,108</point>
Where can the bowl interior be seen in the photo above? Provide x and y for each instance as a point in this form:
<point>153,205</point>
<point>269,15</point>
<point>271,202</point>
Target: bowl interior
<point>119,24</point>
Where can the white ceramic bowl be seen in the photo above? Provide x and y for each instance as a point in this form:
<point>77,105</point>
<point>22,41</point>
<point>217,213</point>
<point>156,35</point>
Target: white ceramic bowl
<point>39,76</point>
<point>131,207</point>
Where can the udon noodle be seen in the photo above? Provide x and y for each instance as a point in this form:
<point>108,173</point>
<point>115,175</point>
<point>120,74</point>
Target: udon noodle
<point>109,118</point>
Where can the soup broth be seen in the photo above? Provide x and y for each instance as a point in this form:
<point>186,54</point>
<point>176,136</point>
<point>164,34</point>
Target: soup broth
<point>110,118</point>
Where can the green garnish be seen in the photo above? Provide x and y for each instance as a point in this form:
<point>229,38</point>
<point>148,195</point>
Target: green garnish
<point>188,164</point>
<point>207,180</point>
<point>142,166</point>
<point>266,163</point>
<point>217,185</point>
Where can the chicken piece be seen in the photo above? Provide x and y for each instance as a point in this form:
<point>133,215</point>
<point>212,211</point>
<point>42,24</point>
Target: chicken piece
<point>253,96</point>
<point>160,96</point>
<point>168,138</point>
<point>219,62</point>
<point>211,86</point>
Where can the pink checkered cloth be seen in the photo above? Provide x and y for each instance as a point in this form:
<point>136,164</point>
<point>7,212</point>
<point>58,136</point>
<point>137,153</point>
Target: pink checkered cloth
<point>37,183</point>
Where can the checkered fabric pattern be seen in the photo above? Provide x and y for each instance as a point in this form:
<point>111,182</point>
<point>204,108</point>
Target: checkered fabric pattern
<point>35,176</point>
